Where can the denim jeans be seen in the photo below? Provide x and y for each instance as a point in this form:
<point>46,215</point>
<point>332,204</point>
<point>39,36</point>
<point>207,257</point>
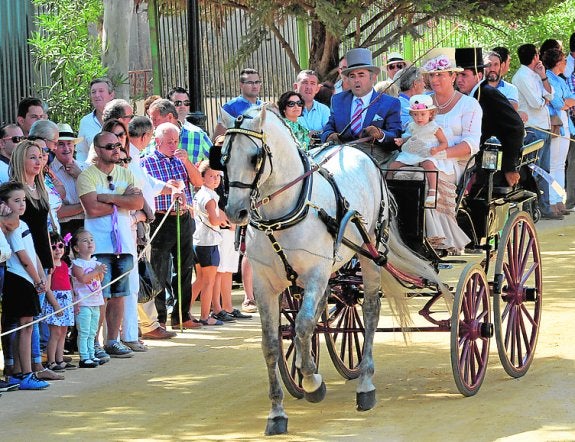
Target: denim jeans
<point>544,161</point>
<point>87,325</point>
<point>117,265</point>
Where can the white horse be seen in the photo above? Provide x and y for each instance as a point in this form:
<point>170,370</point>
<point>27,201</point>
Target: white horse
<point>261,157</point>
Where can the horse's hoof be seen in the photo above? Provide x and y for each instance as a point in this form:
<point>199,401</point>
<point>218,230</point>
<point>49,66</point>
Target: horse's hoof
<point>365,401</point>
<point>316,396</point>
<point>277,425</point>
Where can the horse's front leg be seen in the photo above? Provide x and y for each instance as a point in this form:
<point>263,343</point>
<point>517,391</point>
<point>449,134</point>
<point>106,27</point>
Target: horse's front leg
<point>305,324</point>
<point>268,306</point>
<point>365,393</point>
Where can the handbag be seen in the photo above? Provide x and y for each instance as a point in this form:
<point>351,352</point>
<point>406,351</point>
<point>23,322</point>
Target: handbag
<point>150,286</point>
<point>556,126</point>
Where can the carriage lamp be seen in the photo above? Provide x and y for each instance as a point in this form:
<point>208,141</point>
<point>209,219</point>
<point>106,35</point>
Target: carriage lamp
<point>491,156</point>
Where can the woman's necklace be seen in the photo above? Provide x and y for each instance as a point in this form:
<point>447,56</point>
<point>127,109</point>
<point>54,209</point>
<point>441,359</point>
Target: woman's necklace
<point>447,103</point>
<point>31,186</point>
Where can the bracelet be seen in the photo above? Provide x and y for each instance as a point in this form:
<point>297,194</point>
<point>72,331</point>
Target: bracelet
<point>543,79</point>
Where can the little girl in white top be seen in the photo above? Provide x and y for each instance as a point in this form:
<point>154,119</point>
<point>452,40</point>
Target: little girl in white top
<point>87,275</point>
<point>424,139</point>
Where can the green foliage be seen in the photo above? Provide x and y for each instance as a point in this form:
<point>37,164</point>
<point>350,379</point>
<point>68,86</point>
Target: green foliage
<point>556,23</point>
<point>64,43</point>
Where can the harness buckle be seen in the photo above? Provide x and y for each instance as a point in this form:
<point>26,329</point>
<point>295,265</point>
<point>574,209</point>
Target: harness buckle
<point>276,246</point>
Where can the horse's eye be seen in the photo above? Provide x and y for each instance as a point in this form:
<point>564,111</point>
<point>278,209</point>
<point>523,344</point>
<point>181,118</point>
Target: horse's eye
<point>254,160</point>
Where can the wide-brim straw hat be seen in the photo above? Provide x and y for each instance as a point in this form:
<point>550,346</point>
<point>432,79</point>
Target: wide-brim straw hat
<point>440,60</point>
<point>359,58</point>
<point>65,133</point>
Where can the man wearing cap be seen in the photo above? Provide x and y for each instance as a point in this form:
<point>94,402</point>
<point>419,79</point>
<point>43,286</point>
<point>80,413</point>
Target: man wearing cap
<point>395,62</point>
<point>10,136</point>
<point>499,118</point>
<point>362,112</point>
<point>67,169</point>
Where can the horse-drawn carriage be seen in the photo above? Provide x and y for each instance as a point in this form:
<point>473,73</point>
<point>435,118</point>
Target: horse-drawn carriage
<point>328,236</point>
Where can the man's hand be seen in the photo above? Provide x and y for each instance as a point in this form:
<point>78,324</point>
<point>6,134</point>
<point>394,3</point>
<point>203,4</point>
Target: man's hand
<point>374,132</point>
<point>176,184</point>
<point>524,116</point>
<point>182,155</point>
<point>540,69</point>
<point>131,190</point>
<point>73,170</point>
<point>333,137</point>
<point>512,178</point>
<point>399,141</point>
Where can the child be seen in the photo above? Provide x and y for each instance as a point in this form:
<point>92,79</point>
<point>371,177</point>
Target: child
<point>24,282</point>
<point>207,237</point>
<point>427,140</point>
<point>58,297</point>
<point>87,274</point>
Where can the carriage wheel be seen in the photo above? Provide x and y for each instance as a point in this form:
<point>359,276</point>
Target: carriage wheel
<point>470,330</point>
<point>290,304</point>
<point>345,334</point>
<point>517,308</point>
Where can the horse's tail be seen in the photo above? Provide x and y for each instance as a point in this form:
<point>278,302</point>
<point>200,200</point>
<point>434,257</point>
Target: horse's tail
<point>405,260</point>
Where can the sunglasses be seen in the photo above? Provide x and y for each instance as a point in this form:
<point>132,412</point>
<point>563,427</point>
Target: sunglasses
<point>251,83</point>
<point>393,66</point>
<point>294,103</point>
<point>182,103</point>
<point>111,186</point>
<point>111,146</point>
<point>15,139</point>
<point>121,134</point>
<point>46,150</point>
<point>125,160</point>
<point>58,245</point>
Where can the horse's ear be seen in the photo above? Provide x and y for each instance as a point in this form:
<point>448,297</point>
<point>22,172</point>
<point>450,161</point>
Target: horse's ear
<point>227,119</point>
<point>260,118</point>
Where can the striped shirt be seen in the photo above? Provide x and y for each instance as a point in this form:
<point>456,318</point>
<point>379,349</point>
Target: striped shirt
<point>164,168</point>
<point>196,142</point>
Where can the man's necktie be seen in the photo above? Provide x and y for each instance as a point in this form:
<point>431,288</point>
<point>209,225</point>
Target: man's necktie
<point>356,117</point>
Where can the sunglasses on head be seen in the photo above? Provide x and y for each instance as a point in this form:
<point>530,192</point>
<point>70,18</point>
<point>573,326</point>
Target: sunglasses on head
<point>111,146</point>
<point>58,245</point>
<point>396,66</point>
<point>182,103</point>
<point>120,134</point>
<point>294,103</point>
<point>15,139</point>
<point>125,160</point>
<point>251,83</point>
<point>46,150</point>
<point>111,186</point>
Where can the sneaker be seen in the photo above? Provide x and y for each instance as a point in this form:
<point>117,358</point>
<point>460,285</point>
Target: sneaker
<point>117,350</point>
<point>135,346</point>
<point>239,315</point>
<point>88,363</point>
<point>100,361</point>
<point>249,306</point>
<point>7,386</point>
<point>31,382</point>
<point>100,353</point>
<point>223,316</point>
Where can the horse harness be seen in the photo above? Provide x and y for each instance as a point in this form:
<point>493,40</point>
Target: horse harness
<point>335,226</point>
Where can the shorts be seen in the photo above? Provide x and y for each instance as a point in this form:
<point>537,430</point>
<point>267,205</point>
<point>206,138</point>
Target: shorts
<point>118,265</point>
<point>229,256</point>
<point>207,256</point>
<point>20,297</point>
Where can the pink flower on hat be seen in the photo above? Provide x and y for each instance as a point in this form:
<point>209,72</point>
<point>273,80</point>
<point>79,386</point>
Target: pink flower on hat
<point>438,64</point>
<point>418,106</point>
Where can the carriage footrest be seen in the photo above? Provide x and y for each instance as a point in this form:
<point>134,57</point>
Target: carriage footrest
<point>502,190</point>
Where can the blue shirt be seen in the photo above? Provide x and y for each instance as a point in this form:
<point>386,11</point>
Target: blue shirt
<point>509,90</point>
<point>195,141</point>
<point>405,116</point>
<point>562,91</point>
<point>237,106</point>
<point>315,118</point>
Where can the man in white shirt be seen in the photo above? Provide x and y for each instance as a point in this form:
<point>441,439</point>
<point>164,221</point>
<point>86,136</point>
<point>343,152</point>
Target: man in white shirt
<point>101,92</point>
<point>535,93</point>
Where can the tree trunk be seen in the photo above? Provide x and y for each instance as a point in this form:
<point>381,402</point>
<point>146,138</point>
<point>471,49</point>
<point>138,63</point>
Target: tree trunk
<point>324,52</point>
<point>115,43</point>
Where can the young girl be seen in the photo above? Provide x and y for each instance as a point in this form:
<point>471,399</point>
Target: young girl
<point>427,140</point>
<point>87,274</point>
<point>58,297</point>
<point>24,282</point>
<point>207,237</point>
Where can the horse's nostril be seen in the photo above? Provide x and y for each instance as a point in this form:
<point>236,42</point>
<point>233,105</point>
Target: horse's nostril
<point>243,213</point>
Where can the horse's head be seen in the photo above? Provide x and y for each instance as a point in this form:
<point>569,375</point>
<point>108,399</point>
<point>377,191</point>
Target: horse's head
<point>247,160</point>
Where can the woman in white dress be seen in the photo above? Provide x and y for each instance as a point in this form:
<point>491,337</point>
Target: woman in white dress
<point>460,116</point>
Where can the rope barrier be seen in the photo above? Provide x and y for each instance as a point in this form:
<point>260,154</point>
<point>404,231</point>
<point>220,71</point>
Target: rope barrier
<point>41,318</point>
<point>549,132</point>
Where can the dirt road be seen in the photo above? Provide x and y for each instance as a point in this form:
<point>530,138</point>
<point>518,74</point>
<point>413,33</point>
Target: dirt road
<point>210,384</point>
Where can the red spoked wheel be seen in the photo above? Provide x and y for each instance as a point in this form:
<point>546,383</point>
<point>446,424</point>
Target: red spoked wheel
<point>471,330</point>
<point>290,303</point>
<point>518,294</point>
<point>343,321</point>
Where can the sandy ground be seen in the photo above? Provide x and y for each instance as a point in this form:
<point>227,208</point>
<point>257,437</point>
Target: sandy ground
<point>210,384</point>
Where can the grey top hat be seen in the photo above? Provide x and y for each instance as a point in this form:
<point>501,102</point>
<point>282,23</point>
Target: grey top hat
<point>359,58</point>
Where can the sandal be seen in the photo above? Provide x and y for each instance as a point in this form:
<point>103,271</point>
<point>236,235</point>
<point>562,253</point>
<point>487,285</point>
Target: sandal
<point>207,321</point>
<point>55,367</point>
<point>430,200</point>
